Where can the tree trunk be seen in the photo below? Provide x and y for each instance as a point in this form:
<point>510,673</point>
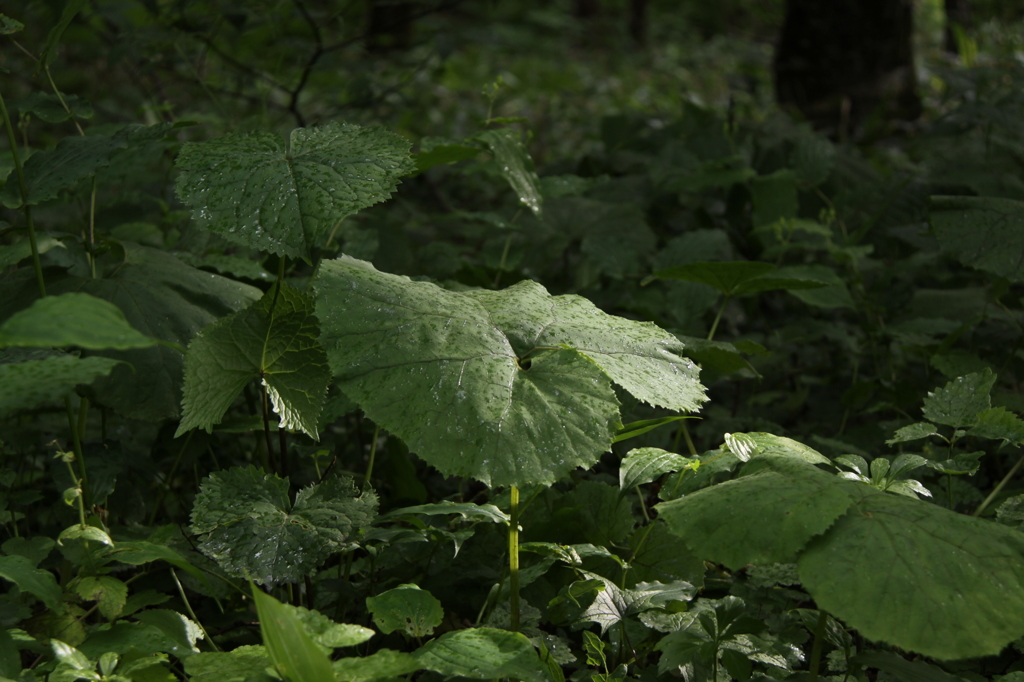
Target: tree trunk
<point>638,21</point>
<point>958,13</point>
<point>390,25</point>
<point>841,61</point>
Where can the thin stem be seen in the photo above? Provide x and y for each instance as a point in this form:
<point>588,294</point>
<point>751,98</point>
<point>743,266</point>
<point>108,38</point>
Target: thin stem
<point>684,432</point>
<point>170,477</point>
<point>513,558</point>
<point>819,641</point>
<point>83,414</point>
<point>77,445</point>
<point>188,607</point>
<point>1002,483</point>
<point>23,186</point>
<point>643,505</point>
<point>265,411</point>
<point>373,456</point>
<point>714,325</point>
<point>504,258</point>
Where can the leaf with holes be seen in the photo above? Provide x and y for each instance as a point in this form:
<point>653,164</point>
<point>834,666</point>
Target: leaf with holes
<point>408,608</point>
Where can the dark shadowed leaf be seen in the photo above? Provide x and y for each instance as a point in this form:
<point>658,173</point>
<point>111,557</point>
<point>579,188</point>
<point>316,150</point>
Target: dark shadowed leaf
<point>983,232</point>
<point>255,190</point>
<point>252,530</point>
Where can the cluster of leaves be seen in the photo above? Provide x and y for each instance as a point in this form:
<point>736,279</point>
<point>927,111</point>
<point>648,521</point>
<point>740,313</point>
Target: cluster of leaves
<point>220,356</point>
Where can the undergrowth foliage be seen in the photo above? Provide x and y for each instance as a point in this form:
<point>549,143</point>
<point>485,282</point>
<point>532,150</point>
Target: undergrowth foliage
<point>722,400</point>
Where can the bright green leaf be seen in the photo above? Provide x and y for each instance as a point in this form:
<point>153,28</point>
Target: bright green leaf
<point>251,529</point>
<point>109,593</point>
<point>613,604</point>
<point>245,664</point>
<point>383,664</point>
<point>468,510</point>
<point>408,352</point>
<point>747,445</point>
<point>274,340</point>
<point>72,320</point>
<point>408,608</point>
<point>515,165</point>
<point>254,190</point>
<point>326,632</point>
<point>983,232</point>
<point>183,632</point>
<point>912,432</point>
<point>638,428</point>
<point>763,517</point>
<point>643,465</point>
<point>79,532</point>
<point>161,297</point>
<point>23,573</point>
<point>960,401</point>
<point>291,650</point>
<point>481,654</point>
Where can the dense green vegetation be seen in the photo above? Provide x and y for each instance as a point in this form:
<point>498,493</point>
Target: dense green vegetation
<point>518,352</point>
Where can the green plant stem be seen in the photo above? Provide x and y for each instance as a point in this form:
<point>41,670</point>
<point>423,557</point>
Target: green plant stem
<point>684,432</point>
<point>513,558</point>
<point>188,607</point>
<point>373,456</point>
<point>170,477</point>
<point>718,316</point>
<point>77,445</point>
<point>643,505</point>
<point>23,186</point>
<point>83,414</point>
<point>998,488</point>
<point>265,411</point>
<point>819,640</point>
<point>504,258</point>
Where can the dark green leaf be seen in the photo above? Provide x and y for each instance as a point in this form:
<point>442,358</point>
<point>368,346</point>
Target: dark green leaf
<point>29,384</point>
<point>638,428</point>
<point>904,670</point>
<point>76,157</point>
<point>735,278</point>
<point>999,423</point>
<point>444,154</point>
<point>481,654</point>
<point>49,52</point>
<point>953,587</point>
<point>21,571</point>
<point>72,320</point>
<point>659,555</point>
<point>253,190</point>
<point>15,253</point>
<point>252,530</point>
<point>468,510</point>
<point>289,647</point>
<point>9,26</point>
<point>408,608</point>
<point>984,232</point>
<point>274,340</point>
<point>774,197</point>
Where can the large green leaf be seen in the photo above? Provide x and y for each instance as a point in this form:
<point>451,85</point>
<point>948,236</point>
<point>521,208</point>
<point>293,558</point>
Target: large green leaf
<point>32,381</point>
<point>75,157</point>
<point>613,604</point>
<point>252,530</point>
<point>984,232</point>
<point>764,517</point>
<point>255,190</point>
<point>383,664</point>
<point>160,297</point>
<point>643,465</point>
<point>481,654</point>
<point>515,164</point>
<point>918,576</point>
<point>638,356</point>
<point>482,384</point>
<point>288,645</point>
<point>72,320</point>
<point>246,663</point>
<point>274,340</point>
